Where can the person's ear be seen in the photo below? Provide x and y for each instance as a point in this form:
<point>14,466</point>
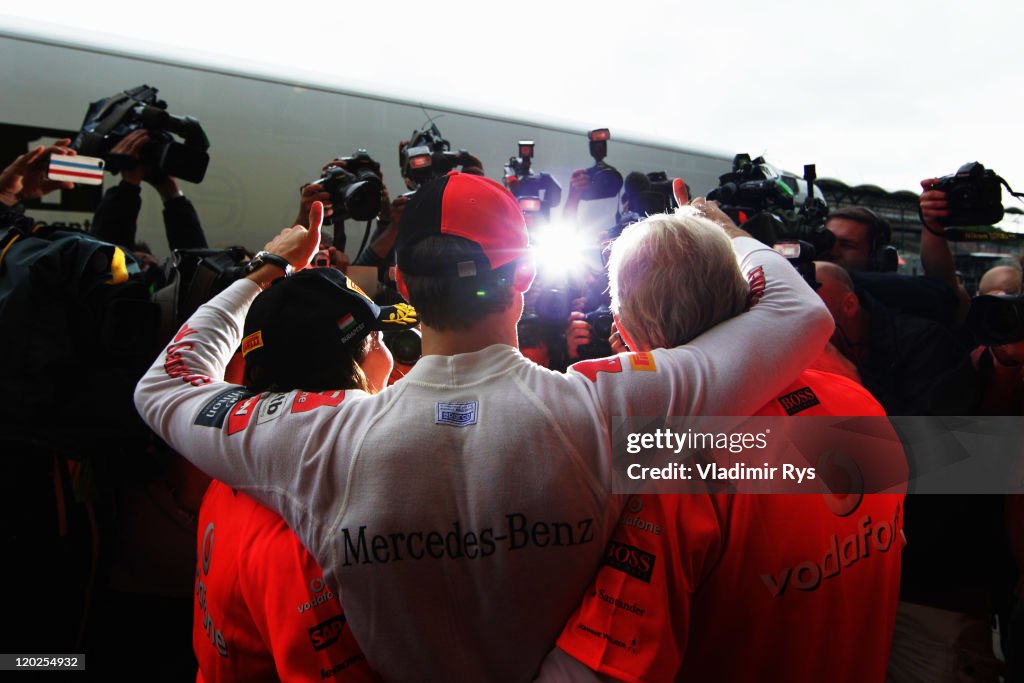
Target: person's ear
<point>526,271</point>
<point>851,305</point>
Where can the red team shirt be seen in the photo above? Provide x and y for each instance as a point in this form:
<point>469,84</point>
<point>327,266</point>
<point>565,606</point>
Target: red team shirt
<point>801,588</point>
<point>262,609</point>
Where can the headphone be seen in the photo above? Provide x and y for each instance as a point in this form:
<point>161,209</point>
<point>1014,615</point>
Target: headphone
<point>882,257</point>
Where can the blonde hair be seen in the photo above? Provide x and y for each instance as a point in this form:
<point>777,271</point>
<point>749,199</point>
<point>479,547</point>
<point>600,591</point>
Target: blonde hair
<point>673,276</point>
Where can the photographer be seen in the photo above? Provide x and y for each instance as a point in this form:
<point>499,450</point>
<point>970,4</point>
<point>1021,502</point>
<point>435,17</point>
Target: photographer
<point>863,248</point>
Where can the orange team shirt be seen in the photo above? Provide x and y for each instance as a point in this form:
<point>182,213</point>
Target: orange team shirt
<point>262,609</point>
<point>801,588</point>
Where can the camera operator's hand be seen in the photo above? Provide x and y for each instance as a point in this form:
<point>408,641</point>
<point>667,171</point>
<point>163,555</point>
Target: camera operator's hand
<point>718,217</point>
<point>384,216</point>
<point>130,146</point>
<point>934,205</point>
<point>936,255</point>
<point>577,334</point>
<point>296,244</point>
<point>25,177</point>
<point>313,192</point>
<point>339,259</point>
<point>578,185</point>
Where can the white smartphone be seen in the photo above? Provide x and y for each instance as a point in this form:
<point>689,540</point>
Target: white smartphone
<point>76,169</point>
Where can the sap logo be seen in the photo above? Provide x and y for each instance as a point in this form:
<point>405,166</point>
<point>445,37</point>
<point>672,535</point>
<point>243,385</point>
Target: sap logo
<point>630,560</point>
<point>327,633</point>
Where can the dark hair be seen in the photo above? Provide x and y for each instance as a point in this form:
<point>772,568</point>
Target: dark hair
<point>879,231</point>
<point>343,373</point>
<point>456,303</point>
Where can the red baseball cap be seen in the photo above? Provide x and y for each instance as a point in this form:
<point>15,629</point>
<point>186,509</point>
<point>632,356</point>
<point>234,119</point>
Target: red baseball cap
<point>472,207</point>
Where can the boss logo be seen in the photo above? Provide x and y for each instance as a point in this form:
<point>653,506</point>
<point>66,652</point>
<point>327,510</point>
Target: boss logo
<point>630,560</point>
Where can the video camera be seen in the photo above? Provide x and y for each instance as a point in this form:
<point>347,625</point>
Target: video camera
<point>537,193</point>
<point>974,195</point>
<point>605,180</point>
<point>354,187</point>
<point>109,120</point>
<point>643,195</point>
<point>995,320</point>
<point>777,208</point>
<point>428,156</point>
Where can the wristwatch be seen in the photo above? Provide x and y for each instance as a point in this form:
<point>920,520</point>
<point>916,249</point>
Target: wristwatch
<point>272,259</point>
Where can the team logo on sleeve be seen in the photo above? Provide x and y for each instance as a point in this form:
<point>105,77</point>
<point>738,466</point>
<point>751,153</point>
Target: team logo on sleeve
<point>757,285</point>
<point>630,560</point>
<point>214,412</point>
<point>326,633</point>
<point>590,368</point>
<point>242,414</point>
<point>306,401</point>
<point>798,401</point>
<point>642,362</point>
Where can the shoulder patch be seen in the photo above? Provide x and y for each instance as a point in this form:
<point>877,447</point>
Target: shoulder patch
<point>456,414</point>
<point>306,401</point>
<point>630,560</point>
<point>590,368</point>
<point>214,412</point>
<point>798,401</point>
<point>241,415</point>
<point>642,362</point>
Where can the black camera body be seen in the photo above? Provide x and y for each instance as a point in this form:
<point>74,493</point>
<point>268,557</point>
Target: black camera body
<point>605,179</point>
<point>995,320</point>
<point>428,155</point>
<point>775,207</point>
<point>109,120</point>
<point>354,188</point>
<point>537,193</point>
<point>974,195</point>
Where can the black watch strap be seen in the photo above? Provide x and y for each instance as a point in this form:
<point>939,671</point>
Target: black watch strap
<point>273,259</point>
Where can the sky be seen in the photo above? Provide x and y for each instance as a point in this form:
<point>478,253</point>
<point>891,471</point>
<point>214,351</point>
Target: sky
<point>885,93</point>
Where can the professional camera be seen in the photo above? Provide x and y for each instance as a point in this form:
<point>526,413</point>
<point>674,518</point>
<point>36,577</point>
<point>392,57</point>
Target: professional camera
<point>193,277</point>
<point>537,193</point>
<point>428,156</point>
<point>552,306</point>
<point>109,120</point>
<point>997,320</point>
<point>642,195</point>
<point>605,180</point>
<point>974,195</point>
<point>354,188</point>
<point>772,206</point>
